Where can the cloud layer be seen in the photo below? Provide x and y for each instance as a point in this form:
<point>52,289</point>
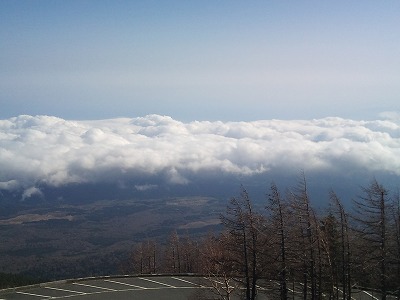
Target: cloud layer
<point>37,150</point>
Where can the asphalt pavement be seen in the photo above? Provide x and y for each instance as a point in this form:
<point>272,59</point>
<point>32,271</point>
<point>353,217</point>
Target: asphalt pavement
<point>152,287</point>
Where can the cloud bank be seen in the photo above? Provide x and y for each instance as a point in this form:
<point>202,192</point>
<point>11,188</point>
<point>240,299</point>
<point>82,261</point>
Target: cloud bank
<point>38,150</point>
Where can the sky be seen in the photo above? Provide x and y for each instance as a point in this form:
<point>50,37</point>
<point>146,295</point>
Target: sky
<point>199,60</point>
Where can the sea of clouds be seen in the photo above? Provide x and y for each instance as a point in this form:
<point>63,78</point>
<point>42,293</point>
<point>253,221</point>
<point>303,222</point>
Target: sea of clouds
<point>45,150</point>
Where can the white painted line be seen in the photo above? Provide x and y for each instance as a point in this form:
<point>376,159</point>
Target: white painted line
<point>183,280</point>
<point>96,287</point>
<point>342,292</point>
<point>168,285</point>
<point>64,290</point>
<point>127,284</point>
<point>261,288</point>
<point>372,296</point>
<point>35,295</point>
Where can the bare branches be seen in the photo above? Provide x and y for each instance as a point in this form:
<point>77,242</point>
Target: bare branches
<point>371,220</point>
<point>289,242</point>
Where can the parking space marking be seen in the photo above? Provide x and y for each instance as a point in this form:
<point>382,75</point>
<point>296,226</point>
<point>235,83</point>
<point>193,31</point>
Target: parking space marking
<point>339,290</point>
<point>96,287</point>
<point>289,289</point>
<point>127,284</point>
<point>64,290</point>
<point>183,280</point>
<point>369,294</point>
<point>157,282</point>
<point>34,295</point>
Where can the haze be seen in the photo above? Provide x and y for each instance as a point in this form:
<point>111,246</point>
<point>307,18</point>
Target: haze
<point>199,60</point>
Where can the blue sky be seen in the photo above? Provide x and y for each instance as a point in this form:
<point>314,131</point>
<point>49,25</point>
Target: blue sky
<point>200,60</point>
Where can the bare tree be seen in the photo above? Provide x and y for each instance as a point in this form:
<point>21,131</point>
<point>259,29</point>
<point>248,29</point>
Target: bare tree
<point>307,237</point>
<point>220,266</point>
<point>371,216</point>
<point>172,258</point>
<point>278,213</point>
<point>330,246</point>
<point>241,225</point>
<point>145,257</point>
<point>190,253</point>
<point>396,242</point>
<point>344,255</point>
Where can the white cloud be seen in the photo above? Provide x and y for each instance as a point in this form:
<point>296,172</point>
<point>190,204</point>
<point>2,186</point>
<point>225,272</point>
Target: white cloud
<point>9,185</point>
<point>32,191</point>
<point>145,187</point>
<point>174,177</point>
<point>49,150</point>
<point>390,115</point>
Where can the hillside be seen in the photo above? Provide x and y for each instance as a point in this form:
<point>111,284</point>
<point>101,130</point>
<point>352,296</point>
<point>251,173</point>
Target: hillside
<point>53,240</point>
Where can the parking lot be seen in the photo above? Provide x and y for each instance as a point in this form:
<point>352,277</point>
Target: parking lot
<point>154,287</point>
<point>149,287</point>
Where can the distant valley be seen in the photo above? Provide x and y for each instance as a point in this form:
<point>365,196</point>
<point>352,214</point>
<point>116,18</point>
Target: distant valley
<point>53,240</point>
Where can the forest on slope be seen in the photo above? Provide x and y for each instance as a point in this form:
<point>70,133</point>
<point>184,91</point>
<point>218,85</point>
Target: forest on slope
<point>288,242</point>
